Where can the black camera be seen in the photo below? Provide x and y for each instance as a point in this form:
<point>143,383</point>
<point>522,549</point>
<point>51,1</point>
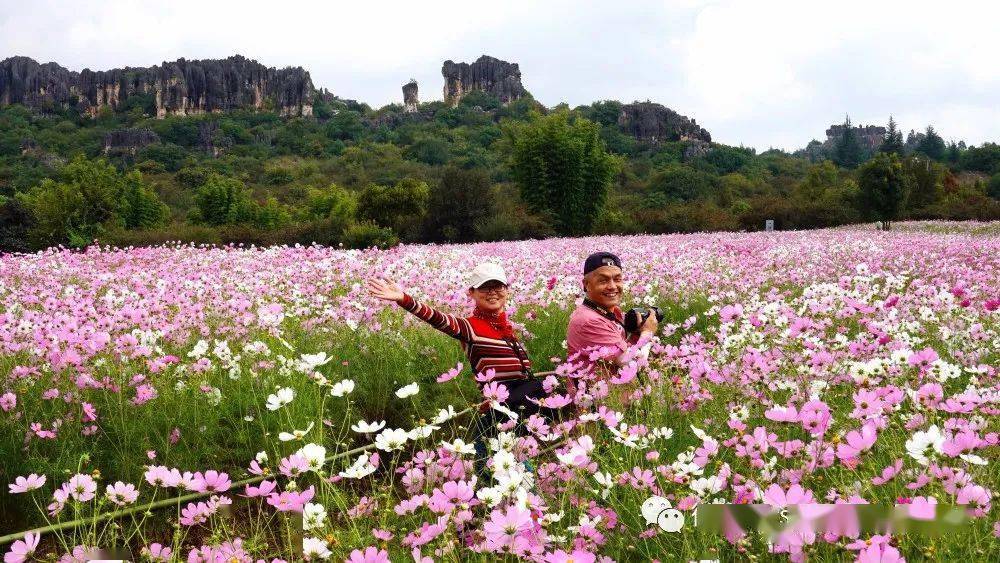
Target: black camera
<point>636,316</point>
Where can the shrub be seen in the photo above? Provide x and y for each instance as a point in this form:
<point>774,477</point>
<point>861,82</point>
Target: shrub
<point>368,234</point>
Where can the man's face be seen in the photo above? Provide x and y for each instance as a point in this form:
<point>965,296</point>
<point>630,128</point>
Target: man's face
<point>604,286</point>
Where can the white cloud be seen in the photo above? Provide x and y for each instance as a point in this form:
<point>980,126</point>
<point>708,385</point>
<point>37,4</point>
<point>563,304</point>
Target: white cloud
<point>763,73</point>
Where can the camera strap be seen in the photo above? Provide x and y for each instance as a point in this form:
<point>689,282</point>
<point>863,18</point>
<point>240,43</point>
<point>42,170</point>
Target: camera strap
<point>519,352</point>
<point>603,312</point>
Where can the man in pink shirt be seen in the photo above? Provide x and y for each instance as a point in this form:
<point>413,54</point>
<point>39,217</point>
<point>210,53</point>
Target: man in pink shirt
<point>597,322</point>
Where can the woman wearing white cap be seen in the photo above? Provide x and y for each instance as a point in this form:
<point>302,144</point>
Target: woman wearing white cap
<point>486,336</point>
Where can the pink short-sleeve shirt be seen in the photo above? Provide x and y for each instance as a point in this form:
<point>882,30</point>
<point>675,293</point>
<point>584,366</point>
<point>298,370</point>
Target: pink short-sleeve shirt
<point>589,329</point>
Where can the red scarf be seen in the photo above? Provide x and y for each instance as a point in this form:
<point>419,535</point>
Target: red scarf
<point>498,321</point>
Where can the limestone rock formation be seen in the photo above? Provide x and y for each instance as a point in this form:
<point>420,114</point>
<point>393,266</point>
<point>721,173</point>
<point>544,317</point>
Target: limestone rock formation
<point>129,141</point>
<point>653,123</point>
<point>487,74</point>
<point>410,99</point>
<point>870,136</point>
<point>180,87</point>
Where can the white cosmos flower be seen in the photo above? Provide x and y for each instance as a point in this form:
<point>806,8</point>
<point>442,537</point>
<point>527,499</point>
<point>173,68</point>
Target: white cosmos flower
<point>918,444</point>
<point>459,447</point>
<point>604,479</point>
<point>343,387</point>
<point>408,390</point>
<point>261,457</point>
<point>199,349</point>
<point>360,469</point>
<point>363,427</point>
<point>309,362</point>
<point>490,496</point>
<point>503,461</point>
<point>974,459</point>
<point>444,415</point>
<point>281,398</point>
<point>422,431</point>
<point>315,548</point>
<point>315,454</point>
<point>391,440</point>
<point>500,407</point>
<point>313,516</point>
<point>295,434</point>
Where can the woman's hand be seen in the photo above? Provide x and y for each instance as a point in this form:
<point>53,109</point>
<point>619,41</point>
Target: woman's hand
<point>384,290</point>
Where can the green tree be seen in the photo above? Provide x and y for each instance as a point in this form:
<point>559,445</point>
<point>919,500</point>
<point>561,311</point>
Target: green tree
<point>993,187</point>
<point>562,169</point>
<point>400,207</point>
<point>140,207</point>
<point>224,201</point>
<point>88,198</point>
<point>457,204</point>
<point>820,178</point>
<point>681,183</point>
<point>893,140</point>
<point>333,203</point>
<point>848,152</point>
<point>925,181</point>
<point>984,158</point>
<point>932,145</point>
<point>882,188</point>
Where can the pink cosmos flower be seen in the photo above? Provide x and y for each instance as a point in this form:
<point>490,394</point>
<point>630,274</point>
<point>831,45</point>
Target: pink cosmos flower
<point>782,414</point>
<point>371,554</point>
<point>212,481</point>
<point>22,549</point>
<point>577,556</point>
<point>450,374</point>
<point>195,513</point>
<point>888,473</point>
<point>293,465</point>
<point>25,484</point>
<point>157,553</point>
<point>122,493</point>
<point>264,489</point>
<point>503,528</point>
<point>82,487</point>
<point>8,401</point>
<point>495,391</point>
<point>777,497</point>
<point>815,417</point>
<point>291,501</point>
<point>160,476</point>
<point>880,553</point>
<point>855,442</point>
<point>922,359</point>
<point>450,495</point>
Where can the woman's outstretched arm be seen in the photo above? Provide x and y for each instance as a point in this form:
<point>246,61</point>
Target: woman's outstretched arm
<point>449,324</point>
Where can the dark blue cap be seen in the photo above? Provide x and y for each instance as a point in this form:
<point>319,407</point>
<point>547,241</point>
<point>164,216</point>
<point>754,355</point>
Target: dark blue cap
<point>598,259</point>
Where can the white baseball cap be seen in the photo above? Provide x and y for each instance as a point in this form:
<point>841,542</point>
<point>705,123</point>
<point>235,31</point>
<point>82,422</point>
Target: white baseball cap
<point>485,272</point>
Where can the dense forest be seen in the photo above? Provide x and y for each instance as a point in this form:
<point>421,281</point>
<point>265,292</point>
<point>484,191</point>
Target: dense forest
<point>482,170</point>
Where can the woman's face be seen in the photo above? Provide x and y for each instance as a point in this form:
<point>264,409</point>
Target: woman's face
<point>491,296</point>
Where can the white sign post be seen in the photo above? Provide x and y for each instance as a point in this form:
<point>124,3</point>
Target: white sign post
<point>769,225</point>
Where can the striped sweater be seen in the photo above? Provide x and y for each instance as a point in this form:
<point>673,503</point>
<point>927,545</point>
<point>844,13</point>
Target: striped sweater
<point>483,344</point>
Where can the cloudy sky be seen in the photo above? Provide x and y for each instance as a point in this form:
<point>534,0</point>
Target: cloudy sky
<point>759,73</point>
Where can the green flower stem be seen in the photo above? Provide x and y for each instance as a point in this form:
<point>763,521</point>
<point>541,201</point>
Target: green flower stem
<point>93,520</point>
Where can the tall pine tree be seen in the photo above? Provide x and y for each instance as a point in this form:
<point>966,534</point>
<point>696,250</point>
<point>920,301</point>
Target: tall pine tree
<point>893,140</point>
<point>848,152</point>
<point>932,144</point>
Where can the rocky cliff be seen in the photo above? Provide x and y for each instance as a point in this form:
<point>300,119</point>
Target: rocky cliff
<point>121,141</point>
<point>487,74</point>
<point>410,96</point>
<point>181,87</point>
<point>870,136</point>
<point>653,123</point>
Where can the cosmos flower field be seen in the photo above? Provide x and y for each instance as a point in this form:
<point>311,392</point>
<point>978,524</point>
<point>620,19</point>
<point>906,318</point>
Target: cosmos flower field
<point>184,403</point>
